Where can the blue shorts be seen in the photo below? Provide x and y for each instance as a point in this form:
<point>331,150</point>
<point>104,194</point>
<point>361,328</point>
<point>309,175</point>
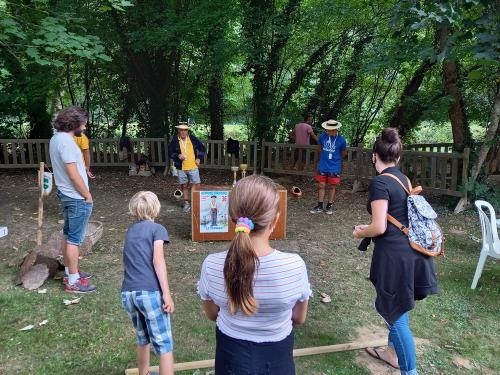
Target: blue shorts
<point>151,323</point>
<point>192,176</point>
<point>76,217</point>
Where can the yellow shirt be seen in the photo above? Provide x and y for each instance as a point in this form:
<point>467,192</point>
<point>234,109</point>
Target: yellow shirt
<point>188,151</point>
<point>83,144</point>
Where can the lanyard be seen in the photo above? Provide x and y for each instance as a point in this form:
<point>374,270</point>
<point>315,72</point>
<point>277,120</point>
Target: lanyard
<point>334,141</point>
<point>184,144</point>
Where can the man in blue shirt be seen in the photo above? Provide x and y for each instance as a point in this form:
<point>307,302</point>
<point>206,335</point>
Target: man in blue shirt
<point>333,149</point>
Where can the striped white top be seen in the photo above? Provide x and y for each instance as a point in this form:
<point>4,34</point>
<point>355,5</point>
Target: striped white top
<point>279,282</point>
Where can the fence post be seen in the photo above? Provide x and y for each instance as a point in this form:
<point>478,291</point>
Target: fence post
<point>356,186</point>
<point>262,156</point>
<point>465,168</point>
<point>167,159</point>
<point>255,156</point>
<point>462,203</point>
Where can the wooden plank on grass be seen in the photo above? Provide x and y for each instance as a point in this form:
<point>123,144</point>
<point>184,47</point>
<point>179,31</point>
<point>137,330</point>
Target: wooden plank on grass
<point>208,363</point>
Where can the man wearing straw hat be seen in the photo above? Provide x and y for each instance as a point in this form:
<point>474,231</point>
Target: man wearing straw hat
<point>187,152</point>
<point>333,149</point>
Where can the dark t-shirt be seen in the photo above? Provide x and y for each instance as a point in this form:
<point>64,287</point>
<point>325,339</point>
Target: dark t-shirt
<point>139,272</point>
<point>400,274</point>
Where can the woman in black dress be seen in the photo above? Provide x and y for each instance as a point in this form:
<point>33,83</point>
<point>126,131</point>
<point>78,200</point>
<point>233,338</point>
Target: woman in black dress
<point>400,274</point>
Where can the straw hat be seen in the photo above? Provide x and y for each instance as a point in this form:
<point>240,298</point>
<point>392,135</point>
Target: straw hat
<point>183,126</point>
<point>331,125</point>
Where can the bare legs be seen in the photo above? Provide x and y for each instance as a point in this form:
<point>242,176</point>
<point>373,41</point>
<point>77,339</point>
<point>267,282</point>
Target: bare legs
<point>166,361</point>
<point>321,192</point>
<point>70,254</point>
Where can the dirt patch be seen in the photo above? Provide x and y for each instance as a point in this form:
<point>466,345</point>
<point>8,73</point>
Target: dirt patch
<point>463,362</point>
<point>372,333</point>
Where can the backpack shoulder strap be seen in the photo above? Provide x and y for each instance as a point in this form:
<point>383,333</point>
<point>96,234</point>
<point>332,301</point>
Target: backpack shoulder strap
<point>408,191</point>
<point>391,219</point>
<point>401,227</point>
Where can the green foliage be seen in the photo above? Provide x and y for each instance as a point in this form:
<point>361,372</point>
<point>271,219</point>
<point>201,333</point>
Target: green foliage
<point>481,189</point>
<point>140,68</point>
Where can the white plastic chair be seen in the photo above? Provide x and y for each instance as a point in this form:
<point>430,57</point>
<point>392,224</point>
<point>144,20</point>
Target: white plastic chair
<point>491,243</point>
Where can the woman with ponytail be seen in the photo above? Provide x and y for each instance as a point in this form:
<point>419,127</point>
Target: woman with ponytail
<point>400,274</point>
<point>254,293</point>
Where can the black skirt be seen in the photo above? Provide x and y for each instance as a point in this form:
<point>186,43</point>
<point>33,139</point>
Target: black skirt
<point>400,274</point>
<point>241,357</point>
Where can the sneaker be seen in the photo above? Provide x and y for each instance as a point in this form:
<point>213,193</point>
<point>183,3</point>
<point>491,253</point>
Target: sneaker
<point>329,209</point>
<point>81,286</point>
<point>83,275</point>
<point>186,208</point>
<point>316,210</point>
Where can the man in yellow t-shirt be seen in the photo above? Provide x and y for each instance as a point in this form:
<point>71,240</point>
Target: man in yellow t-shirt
<point>84,144</point>
<point>187,152</point>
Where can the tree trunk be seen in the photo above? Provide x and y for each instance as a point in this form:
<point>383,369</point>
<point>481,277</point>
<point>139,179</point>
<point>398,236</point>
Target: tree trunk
<point>491,138</point>
<point>347,85</point>
<point>403,116</point>
<point>216,105</point>
<point>451,82</point>
<point>68,81</point>
<point>491,135</point>
<point>86,104</point>
<point>36,102</point>
<point>460,127</point>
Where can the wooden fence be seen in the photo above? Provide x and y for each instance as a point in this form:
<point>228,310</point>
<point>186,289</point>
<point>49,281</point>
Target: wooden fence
<point>27,153</point>
<point>440,172</point>
<point>430,147</point>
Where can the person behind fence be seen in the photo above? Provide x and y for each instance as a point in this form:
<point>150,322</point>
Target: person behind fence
<point>73,192</point>
<point>254,293</point>
<point>145,290</point>
<point>400,274</point>
<point>84,144</point>
<point>301,135</point>
<point>333,148</point>
<point>187,152</point>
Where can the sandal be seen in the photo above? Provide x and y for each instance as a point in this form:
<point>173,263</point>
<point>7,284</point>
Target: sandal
<point>372,352</point>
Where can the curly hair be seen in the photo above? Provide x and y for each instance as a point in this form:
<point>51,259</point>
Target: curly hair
<point>70,118</point>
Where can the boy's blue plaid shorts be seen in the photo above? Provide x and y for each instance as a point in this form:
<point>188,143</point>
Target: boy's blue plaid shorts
<point>151,323</point>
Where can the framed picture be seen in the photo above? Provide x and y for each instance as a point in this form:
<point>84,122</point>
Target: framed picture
<point>214,211</point>
<point>210,220</point>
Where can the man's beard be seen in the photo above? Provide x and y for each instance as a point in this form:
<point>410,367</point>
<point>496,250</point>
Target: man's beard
<point>78,132</point>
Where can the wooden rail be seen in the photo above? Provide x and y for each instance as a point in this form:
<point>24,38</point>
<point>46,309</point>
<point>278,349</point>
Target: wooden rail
<point>28,153</point>
<point>430,147</point>
<point>440,172</point>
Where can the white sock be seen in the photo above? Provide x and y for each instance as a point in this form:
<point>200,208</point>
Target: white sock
<point>66,271</point>
<point>73,278</point>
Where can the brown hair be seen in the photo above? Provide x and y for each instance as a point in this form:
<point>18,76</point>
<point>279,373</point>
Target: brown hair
<point>70,118</point>
<point>388,145</point>
<point>255,197</point>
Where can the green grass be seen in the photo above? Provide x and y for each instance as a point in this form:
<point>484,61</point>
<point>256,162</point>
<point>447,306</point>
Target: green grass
<point>95,336</point>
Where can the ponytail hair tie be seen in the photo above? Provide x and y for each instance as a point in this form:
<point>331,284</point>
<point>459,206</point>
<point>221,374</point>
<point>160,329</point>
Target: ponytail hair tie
<point>244,224</point>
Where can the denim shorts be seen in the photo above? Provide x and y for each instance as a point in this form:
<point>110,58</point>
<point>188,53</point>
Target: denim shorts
<point>192,176</point>
<point>151,323</point>
<point>76,217</point>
